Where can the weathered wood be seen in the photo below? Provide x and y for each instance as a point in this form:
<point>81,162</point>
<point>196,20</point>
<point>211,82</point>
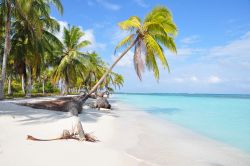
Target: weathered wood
<point>80,130</point>
<point>79,135</point>
<point>102,102</point>
<point>65,104</point>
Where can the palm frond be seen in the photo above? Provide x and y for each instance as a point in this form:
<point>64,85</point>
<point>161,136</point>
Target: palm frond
<point>126,41</point>
<point>151,44</point>
<point>130,24</point>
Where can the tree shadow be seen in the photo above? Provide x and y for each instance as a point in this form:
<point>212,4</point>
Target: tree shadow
<point>26,115</point>
<point>92,115</point>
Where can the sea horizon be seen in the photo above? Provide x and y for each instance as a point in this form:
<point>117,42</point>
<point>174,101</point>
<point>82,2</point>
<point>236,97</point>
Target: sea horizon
<point>241,95</point>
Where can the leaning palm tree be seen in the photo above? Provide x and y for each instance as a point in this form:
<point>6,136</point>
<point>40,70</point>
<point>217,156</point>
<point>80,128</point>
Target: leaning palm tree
<point>72,61</point>
<point>148,37</point>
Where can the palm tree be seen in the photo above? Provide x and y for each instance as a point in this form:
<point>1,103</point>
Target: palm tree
<point>7,6</point>
<point>72,62</point>
<point>148,37</point>
<point>34,17</point>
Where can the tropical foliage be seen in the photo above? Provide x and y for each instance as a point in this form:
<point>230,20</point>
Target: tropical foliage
<point>148,37</point>
<point>156,31</point>
<point>34,60</point>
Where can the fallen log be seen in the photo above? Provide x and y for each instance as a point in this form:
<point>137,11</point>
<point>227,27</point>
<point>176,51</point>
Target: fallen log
<point>65,104</point>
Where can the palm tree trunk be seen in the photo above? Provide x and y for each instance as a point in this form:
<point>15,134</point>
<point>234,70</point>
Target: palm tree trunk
<point>60,86</point>
<point>9,86</point>
<point>85,97</point>
<point>29,86</point>
<point>23,84</point>
<point>43,86</point>
<point>65,88</point>
<point>6,49</point>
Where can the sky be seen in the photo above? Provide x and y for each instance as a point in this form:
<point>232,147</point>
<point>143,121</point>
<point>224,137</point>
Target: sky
<point>213,42</point>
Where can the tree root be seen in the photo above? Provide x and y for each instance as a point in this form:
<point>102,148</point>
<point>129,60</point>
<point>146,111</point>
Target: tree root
<point>67,135</point>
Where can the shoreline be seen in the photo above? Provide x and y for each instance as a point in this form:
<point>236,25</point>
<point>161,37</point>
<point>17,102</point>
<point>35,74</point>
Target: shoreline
<point>128,137</point>
<point>179,145</point>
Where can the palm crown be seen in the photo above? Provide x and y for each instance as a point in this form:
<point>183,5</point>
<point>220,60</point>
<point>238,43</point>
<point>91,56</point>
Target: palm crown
<point>72,61</point>
<point>149,36</point>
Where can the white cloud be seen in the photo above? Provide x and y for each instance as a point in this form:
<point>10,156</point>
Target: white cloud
<point>179,80</point>
<point>219,69</point>
<point>63,24</point>
<point>189,51</point>
<point>89,35</point>
<point>214,79</point>
<point>190,39</point>
<point>109,5</point>
<point>240,47</point>
<point>194,78</point>
<point>188,80</point>
<point>126,61</point>
<point>118,35</point>
<point>142,3</point>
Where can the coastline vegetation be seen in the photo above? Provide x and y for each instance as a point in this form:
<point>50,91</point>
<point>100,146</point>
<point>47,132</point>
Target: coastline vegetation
<point>34,61</point>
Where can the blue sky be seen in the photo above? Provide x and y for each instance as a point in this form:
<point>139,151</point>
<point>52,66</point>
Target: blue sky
<point>213,42</point>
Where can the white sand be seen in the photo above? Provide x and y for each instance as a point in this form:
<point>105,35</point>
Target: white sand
<point>127,138</point>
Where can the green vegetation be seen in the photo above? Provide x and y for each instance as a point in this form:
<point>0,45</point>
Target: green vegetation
<point>34,61</point>
<point>148,37</point>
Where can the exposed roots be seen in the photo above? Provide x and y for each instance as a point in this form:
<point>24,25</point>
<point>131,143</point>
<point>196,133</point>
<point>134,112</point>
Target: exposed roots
<point>67,135</point>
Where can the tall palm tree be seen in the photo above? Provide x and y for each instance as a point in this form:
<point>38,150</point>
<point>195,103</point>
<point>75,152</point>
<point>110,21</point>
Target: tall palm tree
<point>72,62</point>
<point>6,6</point>
<point>148,37</point>
<point>30,14</point>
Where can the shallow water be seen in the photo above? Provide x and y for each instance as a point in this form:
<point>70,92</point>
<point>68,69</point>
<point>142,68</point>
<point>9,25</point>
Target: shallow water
<point>225,118</point>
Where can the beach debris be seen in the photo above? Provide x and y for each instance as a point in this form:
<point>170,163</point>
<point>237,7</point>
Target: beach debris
<point>63,104</point>
<point>77,133</point>
<point>102,102</point>
<point>67,135</point>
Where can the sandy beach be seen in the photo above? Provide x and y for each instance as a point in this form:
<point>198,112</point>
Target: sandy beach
<point>127,137</point>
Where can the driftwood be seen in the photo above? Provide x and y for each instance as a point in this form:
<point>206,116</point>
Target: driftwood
<point>87,137</point>
<point>64,104</point>
<point>69,104</point>
<point>102,102</point>
<point>79,135</point>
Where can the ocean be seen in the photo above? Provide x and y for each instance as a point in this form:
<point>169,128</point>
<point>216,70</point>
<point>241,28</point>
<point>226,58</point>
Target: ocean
<point>225,118</point>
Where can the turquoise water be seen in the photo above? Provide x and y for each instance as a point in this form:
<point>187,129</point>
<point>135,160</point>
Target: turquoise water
<point>222,117</point>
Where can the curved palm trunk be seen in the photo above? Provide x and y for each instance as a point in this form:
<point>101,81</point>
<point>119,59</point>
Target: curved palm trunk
<point>6,49</point>
<point>85,97</point>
